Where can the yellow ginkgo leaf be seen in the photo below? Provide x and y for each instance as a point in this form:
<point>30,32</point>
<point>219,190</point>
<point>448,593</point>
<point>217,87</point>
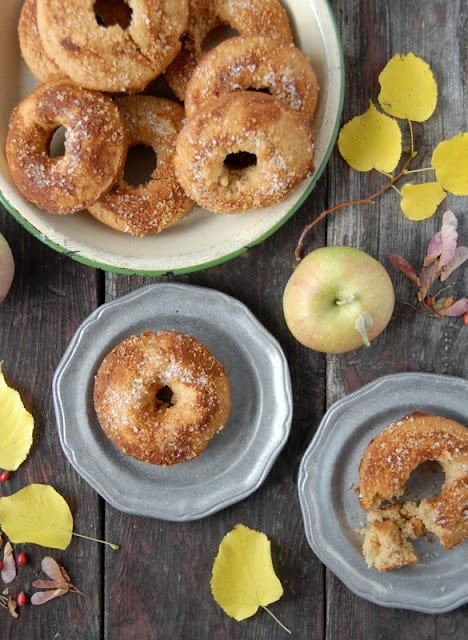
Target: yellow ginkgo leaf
<point>371,141</point>
<point>37,514</point>
<point>420,201</point>
<point>243,577</point>
<point>408,88</point>
<point>450,161</point>
<point>16,427</point>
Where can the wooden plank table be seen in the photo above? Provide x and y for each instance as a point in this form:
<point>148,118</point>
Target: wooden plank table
<point>157,585</point>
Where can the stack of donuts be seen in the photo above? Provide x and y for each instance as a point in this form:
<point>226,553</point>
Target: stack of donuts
<point>235,135</point>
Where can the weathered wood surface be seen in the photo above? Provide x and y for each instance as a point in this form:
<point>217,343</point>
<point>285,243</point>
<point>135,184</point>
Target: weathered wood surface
<point>157,585</point>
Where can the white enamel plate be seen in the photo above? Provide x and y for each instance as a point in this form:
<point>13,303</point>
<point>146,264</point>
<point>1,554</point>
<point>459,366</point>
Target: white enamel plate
<point>202,239</point>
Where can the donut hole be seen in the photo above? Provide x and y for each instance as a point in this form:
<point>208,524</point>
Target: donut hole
<point>425,481</point>
<point>217,35</point>
<point>56,146</point>
<point>140,164</point>
<point>239,161</point>
<point>164,397</point>
<point>112,12</point>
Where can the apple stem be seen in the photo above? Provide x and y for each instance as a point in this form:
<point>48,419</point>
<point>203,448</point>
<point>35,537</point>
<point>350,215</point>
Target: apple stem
<point>350,299</point>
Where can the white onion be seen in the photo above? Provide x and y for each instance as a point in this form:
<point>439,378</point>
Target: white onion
<point>7,268</point>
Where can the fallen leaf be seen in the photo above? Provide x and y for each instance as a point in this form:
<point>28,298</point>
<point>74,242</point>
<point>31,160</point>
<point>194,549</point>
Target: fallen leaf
<point>16,427</point>
<point>450,161</point>
<point>443,256</point>
<point>8,572</point>
<point>37,514</point>
<point>371,141</point>
<point>420,201</point>
<point>9,603</point>
<point>408,88</point>
<point>243,577</point>
<point>58,586</point>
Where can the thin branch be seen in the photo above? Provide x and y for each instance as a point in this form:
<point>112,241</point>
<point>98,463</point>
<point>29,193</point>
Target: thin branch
<point>369,200</point>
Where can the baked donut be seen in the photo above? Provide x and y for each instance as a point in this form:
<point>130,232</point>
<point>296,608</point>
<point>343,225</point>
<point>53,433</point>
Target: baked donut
<point>94,146</point>
<point>243,128</point>
<point>41,66</point>
<point>401,447</point>
<point>161,397</point>
<point>245,18</point>
<point>108,57</point>
<point>254,62</point>
<point>160,202</point>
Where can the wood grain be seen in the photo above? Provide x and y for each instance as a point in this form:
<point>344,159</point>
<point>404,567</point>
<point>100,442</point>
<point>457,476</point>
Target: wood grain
<point>157,585</point>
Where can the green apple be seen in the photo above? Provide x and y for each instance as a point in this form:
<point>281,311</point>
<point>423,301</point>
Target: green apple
<point>338,299</point>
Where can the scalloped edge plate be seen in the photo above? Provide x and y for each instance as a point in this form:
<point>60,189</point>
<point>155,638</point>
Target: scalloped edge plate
<point>236,461</point>
<point>327,481</point>
<point>202,239</point>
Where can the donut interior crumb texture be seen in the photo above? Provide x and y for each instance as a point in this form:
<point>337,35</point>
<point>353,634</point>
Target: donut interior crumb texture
<point>384,471</point>
<point>161,397</point>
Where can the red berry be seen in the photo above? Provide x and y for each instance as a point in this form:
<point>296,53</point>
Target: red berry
<point>4,476</point>
<point>465,317</point>
<point>21,599</point>
<point>22,558</point>
<point>1,565</point>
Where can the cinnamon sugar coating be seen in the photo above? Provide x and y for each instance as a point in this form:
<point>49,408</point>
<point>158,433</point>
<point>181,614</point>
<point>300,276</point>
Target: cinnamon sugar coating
<point>39,63</point>
<point>160,202</point>
<point>254,62</point>
<point>109,57</point>
<point>149,427</point>
<point>94,146</point>
<point>276,139</point>
<point>391,457</point>
<point>252,17</point>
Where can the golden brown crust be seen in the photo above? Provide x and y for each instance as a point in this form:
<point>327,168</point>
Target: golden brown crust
<point>145,427</point>
<point>256,17</point>
<point>110,58</point>
<point>277,139</point>
<point>94,146</point>
<point>405,444</point>
<point>254,62</point>
<point>160,202</point>
<point>41,66</point>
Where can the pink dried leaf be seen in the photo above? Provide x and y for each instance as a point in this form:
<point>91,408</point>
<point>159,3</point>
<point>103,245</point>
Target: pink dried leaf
<point>427,277</point>
<point>9,565</point>
<point>404,266</point>
<point>458,308</point>
<point>461,255</point>
<point>52,568</point>
<point>49,584</point>
<point>443,244</point>
<point>41,597</point>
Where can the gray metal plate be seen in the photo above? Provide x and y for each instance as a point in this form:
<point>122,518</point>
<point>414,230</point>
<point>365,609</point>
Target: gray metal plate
<point>328,481</point>
<point>237,460</point>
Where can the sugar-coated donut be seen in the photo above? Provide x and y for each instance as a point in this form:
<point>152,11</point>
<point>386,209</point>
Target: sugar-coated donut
<point>161,397</point>
<point>160,202</point>
<point>108,57</point>
<point>255,17</point>
<point>274,140</point>
<point>254,62</point>
<point>41,66</point>
<point>401,447</point>
<point>95,146</point>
